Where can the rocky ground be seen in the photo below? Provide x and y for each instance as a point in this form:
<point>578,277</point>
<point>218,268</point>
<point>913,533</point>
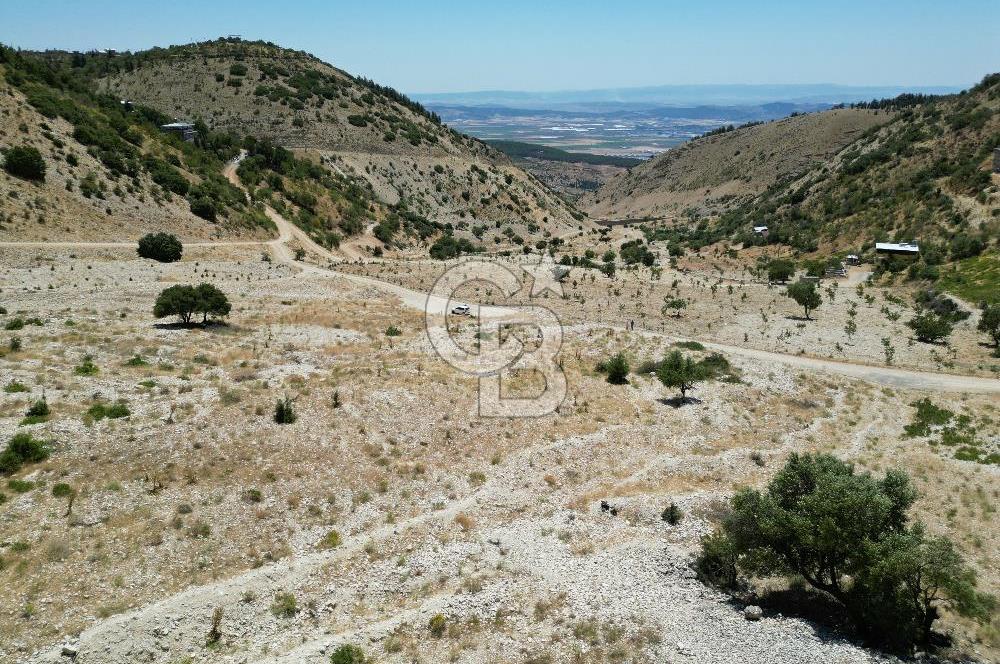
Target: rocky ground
<point>390,501</point>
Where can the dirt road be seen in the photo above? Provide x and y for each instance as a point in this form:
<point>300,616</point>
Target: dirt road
<point>287,232</point>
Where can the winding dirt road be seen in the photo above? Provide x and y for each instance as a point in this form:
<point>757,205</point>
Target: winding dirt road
<point>287,232</point>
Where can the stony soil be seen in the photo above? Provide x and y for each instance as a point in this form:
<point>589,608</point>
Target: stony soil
<point>198,500</point>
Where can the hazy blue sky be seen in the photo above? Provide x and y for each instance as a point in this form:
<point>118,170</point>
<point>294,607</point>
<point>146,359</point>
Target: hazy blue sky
<point>537,45</point>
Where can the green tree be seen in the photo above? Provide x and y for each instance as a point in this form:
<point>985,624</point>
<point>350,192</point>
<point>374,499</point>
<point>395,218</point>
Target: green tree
<point>617,369</point>
<point>680,372</point>
<point>185,301</point>
<point>930,327</point>
<point>780,269</point>
<point>162,247</point>
<point>205,208</point>
<point>806,295</point>
<point>989,323</point>
<point>284,411</point>
<point>211,302</point>
<point>846,534</point>
<point>348,654</point>
<point>25,162</point>
<point>22,449</point>
<point>910,576</point>
<point>179,300</point>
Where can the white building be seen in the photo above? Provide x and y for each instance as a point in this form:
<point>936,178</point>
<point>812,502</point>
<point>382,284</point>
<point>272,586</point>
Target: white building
<point>898,248</point>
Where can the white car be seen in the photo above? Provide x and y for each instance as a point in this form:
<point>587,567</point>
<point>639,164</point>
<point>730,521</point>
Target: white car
<point>461,310</point>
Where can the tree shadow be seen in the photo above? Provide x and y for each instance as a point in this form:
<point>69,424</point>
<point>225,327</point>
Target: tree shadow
<point>677,402</point>
<point>825,615</point>
<point>939,342</point>
<point>824,612</point>
<point>800,318</point>
<point>178,325</point>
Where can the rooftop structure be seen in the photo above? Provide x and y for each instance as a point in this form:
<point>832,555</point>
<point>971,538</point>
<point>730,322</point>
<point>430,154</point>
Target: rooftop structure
<point>902,248</point>
<point>185,130</point>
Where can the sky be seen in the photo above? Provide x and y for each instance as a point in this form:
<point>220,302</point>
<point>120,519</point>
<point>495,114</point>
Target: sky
<point>449,46</point>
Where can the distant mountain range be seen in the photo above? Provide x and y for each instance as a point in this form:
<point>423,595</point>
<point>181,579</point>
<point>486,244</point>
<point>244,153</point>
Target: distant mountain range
<point>677,95</point>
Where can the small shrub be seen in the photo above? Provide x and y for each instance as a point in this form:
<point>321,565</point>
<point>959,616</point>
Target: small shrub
<point>39,409</point>
<point>21,449</point>
<point>25,162</point>
<point>13,387</point>
<point>672,514</point>
<point>115,411</point>
<point>62,490</point>
<point>14,324</point>
<point>284,411</point>
<point>331,540</point>
<point>253,496</point>
<point>87,367</point>
<point>616,368</point>
<point>137,361</point>
<point>437,625</point>
<point>284,605</point>
<point>393,331</point>
<point>348,654</point>
<point>20,486</point>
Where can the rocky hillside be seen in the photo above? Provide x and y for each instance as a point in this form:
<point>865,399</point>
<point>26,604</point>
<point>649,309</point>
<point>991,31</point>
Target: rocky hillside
<point>356,127</point>
<point>102,172</point>
<point>721,170</point>
<point>925,176</point>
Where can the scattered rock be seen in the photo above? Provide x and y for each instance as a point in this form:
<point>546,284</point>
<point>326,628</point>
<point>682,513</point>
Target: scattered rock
<point>753,613</point>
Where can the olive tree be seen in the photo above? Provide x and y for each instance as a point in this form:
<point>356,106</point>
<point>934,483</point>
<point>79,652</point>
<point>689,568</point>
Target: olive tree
<point>989,323</point>
<point>680,372</point>
<point>805,295</point>
<point>780,269</point>
<point>162,247</point>
<point>185,301</point>
<point>930,327</point>
<point>847,535</point>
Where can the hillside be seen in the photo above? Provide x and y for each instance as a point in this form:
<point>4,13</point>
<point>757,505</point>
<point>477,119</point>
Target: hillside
<point>109,174</point>
<point>925,175</point>
<point>356,127</point>
<point>721,170</point>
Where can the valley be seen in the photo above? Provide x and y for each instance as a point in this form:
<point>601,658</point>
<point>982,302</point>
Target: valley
<point>229,431</point>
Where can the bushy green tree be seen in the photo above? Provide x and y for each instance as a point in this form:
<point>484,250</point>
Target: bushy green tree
<point>805,295</point>
<point>617,369</point>
<point>780,269</point>
<point>211,302</point>
<point>680,372</point>
<point>179,300</point>
<point>185,301</point>
<point>447,246</point>
<point>284,411</point>
<point>930,327</point>
<point>25,162</point>
<point>348,654</point>
<point>22,449</point>
<point>989,323</point>
<point>162,247</point>
<point>847,535</point>
<point>204,207</point>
